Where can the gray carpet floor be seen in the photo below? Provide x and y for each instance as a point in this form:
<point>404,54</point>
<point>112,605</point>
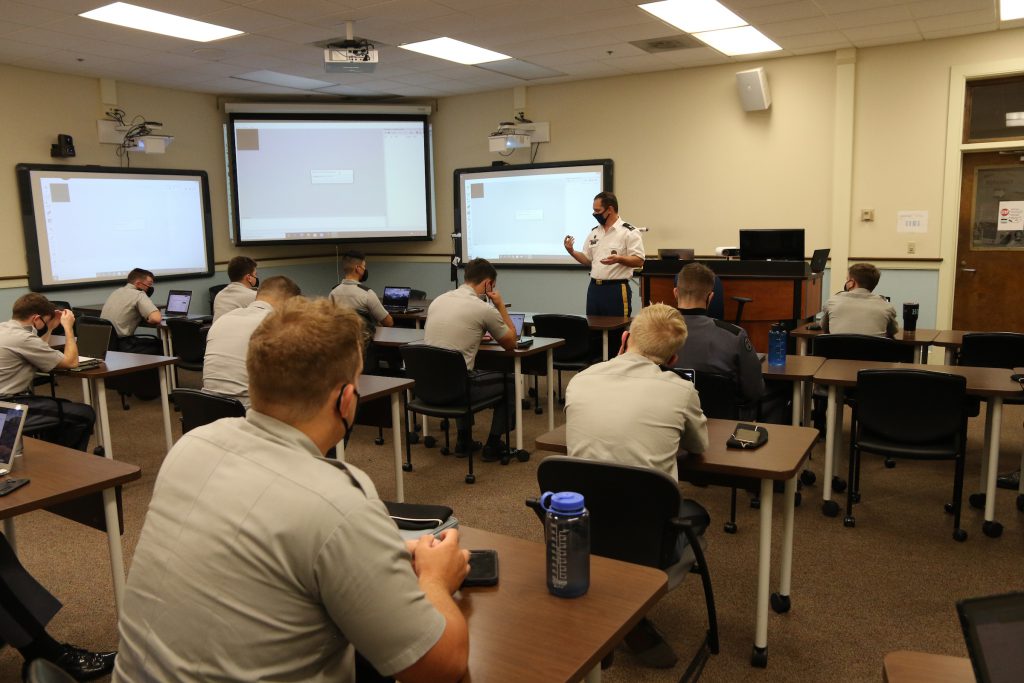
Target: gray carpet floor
<point>889,584</point>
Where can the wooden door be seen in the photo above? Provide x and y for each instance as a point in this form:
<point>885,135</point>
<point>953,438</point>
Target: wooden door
<point>989,257</point>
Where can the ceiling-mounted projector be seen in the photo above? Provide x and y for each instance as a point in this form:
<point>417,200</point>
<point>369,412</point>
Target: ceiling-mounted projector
<point>508,137</point>
<point>350,56</point>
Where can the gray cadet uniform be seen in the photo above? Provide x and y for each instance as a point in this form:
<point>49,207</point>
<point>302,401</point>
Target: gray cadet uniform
<point>227,346</point>
<point>235,295</point>
<point>629,411</point>
<point>362,301</point>
<point>721,348</point>
<point>126,308</point>
<point>859,312</point>
<point>457,320</point>
<point>22,353</point>
<point>259,562</point>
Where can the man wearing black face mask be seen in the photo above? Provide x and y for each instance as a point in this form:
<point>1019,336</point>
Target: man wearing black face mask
<point>362,300</point>
<point>241,291</point>
<point>126,308</point>
<point>612,250</point>
<point>857,309</point>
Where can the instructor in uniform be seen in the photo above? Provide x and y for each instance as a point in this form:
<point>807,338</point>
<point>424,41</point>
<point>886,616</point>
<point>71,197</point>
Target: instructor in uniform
<point>613,249</point>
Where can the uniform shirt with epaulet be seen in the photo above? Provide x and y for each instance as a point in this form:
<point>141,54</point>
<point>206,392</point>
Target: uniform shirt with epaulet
<point>628,410</point>
<point>126,308</point>
<point>458,319</point>
<point>623,239</point>
<point>259,562</point>
<point>235,295</point>
<point>227,346</point>
<point>859,311</point>
<point>722,348</point>
<point>22,353</point>
<point>362,301</point>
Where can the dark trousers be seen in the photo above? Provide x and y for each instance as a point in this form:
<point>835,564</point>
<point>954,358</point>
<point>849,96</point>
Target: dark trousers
<point>488,385</point>
<point>609,298</point>
<point>25,606</point>
<point>141,343</point>
<point>69,424</point>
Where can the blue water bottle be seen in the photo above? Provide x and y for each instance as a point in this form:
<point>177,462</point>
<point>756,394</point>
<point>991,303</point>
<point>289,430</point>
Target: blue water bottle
<point>567,535</point>
<point>777,345</point>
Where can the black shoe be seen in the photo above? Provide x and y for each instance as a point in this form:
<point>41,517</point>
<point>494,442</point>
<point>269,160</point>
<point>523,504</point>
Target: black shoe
<point>80,664</point>
<point>462,452</point>
<point>649,646</point>
<point>1010,480</point>
<point>495,451</point>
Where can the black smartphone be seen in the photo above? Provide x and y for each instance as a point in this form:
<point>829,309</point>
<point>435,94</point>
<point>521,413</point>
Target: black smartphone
<point>686,373</point>
<point>746,434</point>
<point>483,568</point>
<point>11,485</point>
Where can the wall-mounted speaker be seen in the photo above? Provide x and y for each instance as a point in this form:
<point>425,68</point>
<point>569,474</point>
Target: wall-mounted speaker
<point>64,147</point>
<point>753,88</point>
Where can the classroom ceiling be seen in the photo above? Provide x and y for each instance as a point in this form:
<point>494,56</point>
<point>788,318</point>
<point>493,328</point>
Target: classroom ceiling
<point>550,40</point>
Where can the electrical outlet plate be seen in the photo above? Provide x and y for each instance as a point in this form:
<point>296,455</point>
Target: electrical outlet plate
<point>911,247</point>
<point>867,215</point>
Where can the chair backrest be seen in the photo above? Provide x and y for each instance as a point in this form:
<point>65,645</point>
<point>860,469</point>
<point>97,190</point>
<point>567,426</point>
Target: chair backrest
<point>993,350</point>
<point>862,347</point>
<point>631,508</point>
<point>214,291</point>
<point>572,328</point>
<point>63,305</point>
<point>95,320</point>
<point>42,671</point>
<point>719,395</point>
<point>199,408</point>
<point>440,374</point>
<point>188,339</point>
<point>417,295</point>
<point>911,406</point>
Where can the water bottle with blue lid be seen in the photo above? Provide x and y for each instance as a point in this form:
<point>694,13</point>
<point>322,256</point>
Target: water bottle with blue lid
<point>567,536</point>
<point>777,342</point>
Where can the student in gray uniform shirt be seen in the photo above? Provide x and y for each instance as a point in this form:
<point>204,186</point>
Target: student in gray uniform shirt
<point>362,300</point>
<point>261,561</point>
<point>241,291</point>
<point>857,309</point>
<point>227,343</point>
<point>126,308</point>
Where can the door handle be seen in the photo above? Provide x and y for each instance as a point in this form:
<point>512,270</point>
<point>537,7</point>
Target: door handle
<point>968,270</point>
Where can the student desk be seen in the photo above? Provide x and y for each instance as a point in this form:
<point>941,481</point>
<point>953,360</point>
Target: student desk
<point>780,459</point>
<point>415,318</point>
<point>920,339</point>
<point>605,324</point>
<point>991,384</point>
<point>799,370</point>
<point>950,341</point>
<point>372,387</point>
<point>66,482</point>
<point>519,632</point>
<point>120,363</point>
<point>921,667</point>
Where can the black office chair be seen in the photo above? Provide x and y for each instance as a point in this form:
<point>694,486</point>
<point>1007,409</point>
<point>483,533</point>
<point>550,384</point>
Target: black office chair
<point>443,390</point>
<point>188,338</point>
<point>637,515</point>
<point>144,385</point>
<point>992,350</point>
<point>914,414</point>
<point>43,671</point>
<point>200,408</point>
<point>214,291</point>
<point>576,355</point>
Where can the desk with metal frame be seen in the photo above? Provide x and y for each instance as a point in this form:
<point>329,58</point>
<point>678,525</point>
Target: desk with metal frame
<point>920,339</point>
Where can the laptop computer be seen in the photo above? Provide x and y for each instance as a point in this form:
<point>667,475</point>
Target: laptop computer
<point>12,422</point>
<point>819,259</point>
<point>396,300</point>
<point>178,301</point>
<point>994,630</point>
<point>519,321</point>
<point>93,344</point>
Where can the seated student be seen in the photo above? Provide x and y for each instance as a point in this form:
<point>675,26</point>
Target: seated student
<point>227,343</point>
<point>129,306</point>
<point>363,301</point>
<point>261,561</point>
<point>856,310</point>
<point>457,320</point>
<point>23,352</point>
<point>241,291</point>
<point>25,609</point>
<point>629,410</point>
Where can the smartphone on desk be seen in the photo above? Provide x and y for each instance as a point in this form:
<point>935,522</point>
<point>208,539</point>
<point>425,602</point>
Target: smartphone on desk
<point>483,568</point>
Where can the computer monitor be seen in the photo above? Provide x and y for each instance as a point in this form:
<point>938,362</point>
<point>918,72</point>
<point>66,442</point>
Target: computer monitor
<point>772,244</point>
<point>518,319</point>
<point>994,630</point>
<point>396,297</point>
<point>178,301</point>
<point>12,421</point>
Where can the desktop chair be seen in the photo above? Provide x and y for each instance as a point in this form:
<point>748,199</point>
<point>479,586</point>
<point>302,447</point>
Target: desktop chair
<point>200,408</point>
<point>214,291</point>
<point>637,515</point>
<point>43,671</point>
<point>144,385</point>
<point>993,350</point>
<point>914,414</point>
<point>443,390</point>
<point>188,338</point>
<point>574,356</point>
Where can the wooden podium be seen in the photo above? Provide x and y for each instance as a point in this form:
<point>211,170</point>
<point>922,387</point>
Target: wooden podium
<point>783,291</point>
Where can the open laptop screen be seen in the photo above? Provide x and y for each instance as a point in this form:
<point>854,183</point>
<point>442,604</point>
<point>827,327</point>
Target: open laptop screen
<point>178,301</point>
<point>396,296</point>
<point>93,340</point>
<point>518,319</point>
<point>994,630</point>
<point>12,420</point>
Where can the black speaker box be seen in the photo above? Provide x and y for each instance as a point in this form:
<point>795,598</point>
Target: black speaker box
<point>64,147</point>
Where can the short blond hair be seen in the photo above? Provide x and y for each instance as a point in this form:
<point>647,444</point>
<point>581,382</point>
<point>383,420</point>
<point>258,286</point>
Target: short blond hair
<point>302,351</point>
<point>658,332</point>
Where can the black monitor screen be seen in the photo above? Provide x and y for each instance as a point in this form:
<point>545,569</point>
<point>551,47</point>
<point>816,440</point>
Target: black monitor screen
<point>772,244</point>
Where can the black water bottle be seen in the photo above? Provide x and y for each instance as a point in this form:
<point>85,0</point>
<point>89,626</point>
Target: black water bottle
<point>567,535</point>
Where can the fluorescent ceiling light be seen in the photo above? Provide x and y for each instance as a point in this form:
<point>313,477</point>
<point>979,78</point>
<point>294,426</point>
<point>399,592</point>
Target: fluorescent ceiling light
<point>1011,9</point>
<point>284,80</point>
<point>132,16</point>
<point>694,15</point>
<point>454,51</point>
<point>745,40</point>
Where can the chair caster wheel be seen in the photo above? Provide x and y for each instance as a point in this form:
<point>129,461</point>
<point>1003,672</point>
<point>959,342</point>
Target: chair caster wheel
<point>755,503</point>
<point>522,456</point>
<point>505,460</point>
<point>976,501</point>
<point>99,450</point>
<point>959,535</point>
<point>798,498</point>
<point>830,508</point>
<point>539,410</point>
<point>992,529</point>
<point>780,603</point>
<point>730,527</point>
<point>1020,502</point>
<point>849,522</point>
<point>446,451</point>
<point>525,404</point>
<point>807,478</point>
<point>948,507</point>
<point>470,478</point>
<point>759,658</point>
<point>890,463</point>
<point>406,467</point>
<point>413,437</point>
<point>429,442</point>
<point>838,485</point>
<point>379,441</point>
<point>855,496</point>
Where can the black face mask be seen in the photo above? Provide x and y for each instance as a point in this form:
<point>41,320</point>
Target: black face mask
<point>365,276</point>
<point>149,291</point>
<point>600,218</point>
<point>256,285</point>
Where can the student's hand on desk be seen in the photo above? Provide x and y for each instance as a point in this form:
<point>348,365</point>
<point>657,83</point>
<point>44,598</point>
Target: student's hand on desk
<point>441,560</point>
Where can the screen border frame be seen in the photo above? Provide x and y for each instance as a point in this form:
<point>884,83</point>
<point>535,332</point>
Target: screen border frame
<point>428,161</point>
<point>24,171</point>
<point>608,185</point>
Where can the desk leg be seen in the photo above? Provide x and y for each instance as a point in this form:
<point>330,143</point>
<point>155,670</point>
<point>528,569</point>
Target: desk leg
<point>99,392</point>
<point>992,528</point>
<point>808,402</point>
<point>604,345</point>
<point>396,436</point>
<point>759,657</point>
<point>948,356</point>
<point>780,600</point>
<point>922,352</point>
<point>518,383</point>
<point>833,434</point>
<point>9,534</point>
<point>166,407</point>
<point>114,542</point>
<point>165,340</point>
<point>594,675</point>
<point>89,400</point>
<point>798,403</point>
<point>801,346</point>
<point>551,390</point>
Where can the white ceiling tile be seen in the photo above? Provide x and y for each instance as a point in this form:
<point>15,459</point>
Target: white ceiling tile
<point>818,49</point>
<point>694,57</point>
<point>810,40</point>
<point>797,27</point>
<point>942,22</point>
<point>29,13</point>
<point>297,10</point>
<point>862,34</point>
<point>888,40</point>
<point>12,50</point>
<point>872,17</point>
<point>788,11</point>
<point>837,6</point>
<point>932,8</point>
<point>182,8</point>
<point>243,19</point>
<point>960,31</point>
<point>10,26</point>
